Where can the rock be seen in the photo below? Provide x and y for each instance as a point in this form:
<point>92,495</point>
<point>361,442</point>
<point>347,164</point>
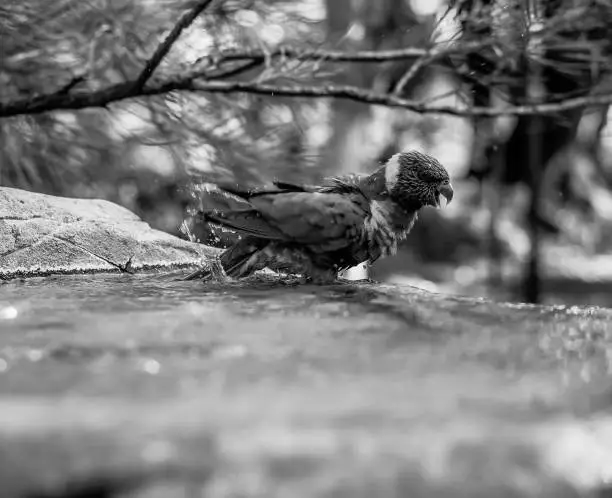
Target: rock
<point>42,234</point>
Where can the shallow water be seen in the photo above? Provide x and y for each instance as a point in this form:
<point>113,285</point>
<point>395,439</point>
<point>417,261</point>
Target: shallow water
<point>147,336</point>
<point>269,368</point>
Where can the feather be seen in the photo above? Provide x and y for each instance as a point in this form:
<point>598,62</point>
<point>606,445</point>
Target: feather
<point>348,184</point>
<point>213,198</point>
<point>226,208</point>
<point>329,221</point>
<point>326,221</point>
<point>235,259</point>
<point>294,187</point>
<point>277,187</point>
<point>248,222</point>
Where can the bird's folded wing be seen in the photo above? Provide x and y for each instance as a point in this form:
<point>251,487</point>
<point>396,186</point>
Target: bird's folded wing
<point>295,187</point>
<point>326,222</point>
<point>277,187</point>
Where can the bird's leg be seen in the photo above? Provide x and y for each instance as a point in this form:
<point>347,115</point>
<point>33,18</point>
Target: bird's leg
<point>299,264</point>
<point>322,276</point>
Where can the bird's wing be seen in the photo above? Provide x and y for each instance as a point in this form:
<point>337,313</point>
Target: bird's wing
<point>328,221</point>
<point>346,184</point>
<point>325,221</point>
<point>294,187</point>
<point>277,187</point>
<point>232,209</point>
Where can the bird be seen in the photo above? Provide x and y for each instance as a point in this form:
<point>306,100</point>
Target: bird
<point>318,231</point>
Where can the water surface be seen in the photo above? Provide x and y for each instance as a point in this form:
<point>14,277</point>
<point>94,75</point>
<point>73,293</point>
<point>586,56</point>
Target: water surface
<point>287,387</point>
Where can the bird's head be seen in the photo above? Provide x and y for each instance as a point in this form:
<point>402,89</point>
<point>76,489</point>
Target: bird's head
<point>414,180</point>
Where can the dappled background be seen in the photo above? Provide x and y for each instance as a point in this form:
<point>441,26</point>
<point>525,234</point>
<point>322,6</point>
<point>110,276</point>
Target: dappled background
<point>532,214</point>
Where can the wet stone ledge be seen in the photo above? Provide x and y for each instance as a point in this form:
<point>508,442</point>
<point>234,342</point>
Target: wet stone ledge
<point>44,235</point>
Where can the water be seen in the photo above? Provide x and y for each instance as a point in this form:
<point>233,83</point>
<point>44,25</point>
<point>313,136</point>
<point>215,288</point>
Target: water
<point>268,388</point>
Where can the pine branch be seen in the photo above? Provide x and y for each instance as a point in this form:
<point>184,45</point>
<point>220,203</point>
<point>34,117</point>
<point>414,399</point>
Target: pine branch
<point>164,47</point>
<point>410,74</point>
<point>191,82</point>
<point>322,55</point>
<point>366,96</point>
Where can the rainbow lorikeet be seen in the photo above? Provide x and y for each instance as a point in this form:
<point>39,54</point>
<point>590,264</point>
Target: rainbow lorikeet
<point>318,231</point>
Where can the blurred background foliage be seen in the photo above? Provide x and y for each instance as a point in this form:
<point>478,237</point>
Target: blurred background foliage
<point>530,181</point>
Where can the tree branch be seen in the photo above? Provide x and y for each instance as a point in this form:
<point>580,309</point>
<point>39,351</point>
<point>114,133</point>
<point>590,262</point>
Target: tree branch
<point>343,56</point>
<point>164,47</point>
<point>190,82</point>
<point>72,83</point>
<point>410,74</point>
<point>385,99</point>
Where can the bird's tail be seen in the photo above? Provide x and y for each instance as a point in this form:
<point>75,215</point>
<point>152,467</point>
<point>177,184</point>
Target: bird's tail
<point>227,208</point>
<point>239,260</point>
<point>213,198</point>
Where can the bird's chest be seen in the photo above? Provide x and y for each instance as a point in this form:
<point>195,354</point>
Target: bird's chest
<point>384,229</point>
<point>377,237</point>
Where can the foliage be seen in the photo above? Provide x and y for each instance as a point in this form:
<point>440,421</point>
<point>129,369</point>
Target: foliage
<point>69,46</point>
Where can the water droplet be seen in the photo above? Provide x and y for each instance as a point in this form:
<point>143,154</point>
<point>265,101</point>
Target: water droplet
<point>3,365</point>
<point>35,354</point>
<point>229,352</point>
<point>151,366</point>
<point>8,313</point>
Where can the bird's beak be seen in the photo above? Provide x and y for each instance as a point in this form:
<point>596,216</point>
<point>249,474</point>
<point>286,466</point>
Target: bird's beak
<point>447,191</point>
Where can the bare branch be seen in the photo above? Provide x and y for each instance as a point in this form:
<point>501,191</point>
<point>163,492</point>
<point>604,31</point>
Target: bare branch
<point>190,82</point>
<point>72,83</point>
<point>164,47</point>
<point>343,56</point>
<point>409,75</point>
<point>385,99</point>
